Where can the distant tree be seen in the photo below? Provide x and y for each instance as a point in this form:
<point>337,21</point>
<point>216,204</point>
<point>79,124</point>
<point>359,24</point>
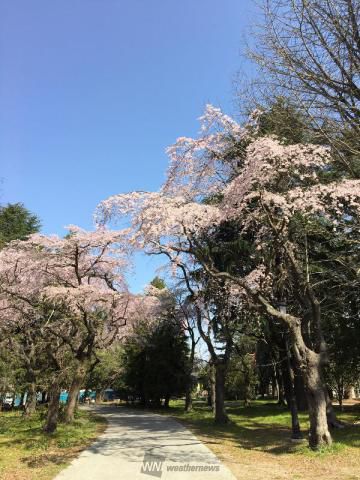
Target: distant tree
<point>106,371</point>
<point>16,223</point>
<point>241,378</point>
<point>286,121</point>
<point>158,283</point>
<point>156,361</point>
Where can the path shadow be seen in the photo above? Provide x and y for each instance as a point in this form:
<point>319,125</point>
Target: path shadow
<point>147,432</point>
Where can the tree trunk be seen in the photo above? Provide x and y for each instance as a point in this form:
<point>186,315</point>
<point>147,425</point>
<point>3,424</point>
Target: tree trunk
<point>99,396</point>
<point>247,386</point>
<point>22,401</point>
<point>167,401</point>
<point>74,394</point>
<point>220,413</point>
<point>340,397</point>
<point>274,386</point>
<point>189,387</point>
<point>319,434</point>
<point>311,362</point>
<point>289,388</point>
<point>188,399</point>
<point>30,405</point>
<point>212,387</point>
<point>209,397</point>
<point>53,408</point>
<point>299,387</point>
<point>339,393</point>
<point>295,424</point>
<point>247,392</point>
<point>280,386</point>
<point>333,422</point>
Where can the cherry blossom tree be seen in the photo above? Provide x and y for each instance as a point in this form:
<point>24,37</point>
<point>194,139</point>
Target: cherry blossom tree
<point>72,289</point>
<point>229,174</point>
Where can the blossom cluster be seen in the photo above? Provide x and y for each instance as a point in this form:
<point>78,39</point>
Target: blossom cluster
<point>83,271</point>
<point>156,215</point>
<point>196,168</point>
<point>231,173</point>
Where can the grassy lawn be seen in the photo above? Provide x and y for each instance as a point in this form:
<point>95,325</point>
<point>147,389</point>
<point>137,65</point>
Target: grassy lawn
<point>26,453</point>
<point>256,444</point>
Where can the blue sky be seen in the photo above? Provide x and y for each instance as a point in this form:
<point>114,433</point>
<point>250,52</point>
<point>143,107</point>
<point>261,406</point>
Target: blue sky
<point>92,92</point>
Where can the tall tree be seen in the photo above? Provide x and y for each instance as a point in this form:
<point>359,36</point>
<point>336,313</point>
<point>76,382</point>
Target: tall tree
<point>155,361</point>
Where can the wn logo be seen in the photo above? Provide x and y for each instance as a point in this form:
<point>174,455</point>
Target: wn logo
<point>152,464</point>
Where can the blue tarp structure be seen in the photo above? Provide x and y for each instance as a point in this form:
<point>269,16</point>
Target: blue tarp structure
<point>17,400</point>
<point>110,394</point>
<point>89,394</point>
<point>63,397</point>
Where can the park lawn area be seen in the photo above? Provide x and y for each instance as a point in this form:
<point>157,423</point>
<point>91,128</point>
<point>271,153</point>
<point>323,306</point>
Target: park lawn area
<point>256,444</point>
<point>26,453</point>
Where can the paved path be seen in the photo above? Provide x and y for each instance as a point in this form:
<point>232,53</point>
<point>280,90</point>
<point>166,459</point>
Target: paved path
<point>131,435</point>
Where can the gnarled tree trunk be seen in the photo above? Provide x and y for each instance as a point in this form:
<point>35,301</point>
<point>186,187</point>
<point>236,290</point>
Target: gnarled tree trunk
<point>30,405</point>
<point>319,434</point>
<point>53,408</point>
<point>74,391</point>
<point>311,363</point>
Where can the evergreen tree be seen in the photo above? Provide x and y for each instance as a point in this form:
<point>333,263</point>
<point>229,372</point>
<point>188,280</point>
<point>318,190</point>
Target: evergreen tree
<point>16,223</point>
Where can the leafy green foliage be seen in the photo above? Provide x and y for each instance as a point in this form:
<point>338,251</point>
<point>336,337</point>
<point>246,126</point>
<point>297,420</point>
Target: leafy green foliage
<point>106,373</point>
<point>156,361</point>
<point>241,378</point>
<point>158,283</point>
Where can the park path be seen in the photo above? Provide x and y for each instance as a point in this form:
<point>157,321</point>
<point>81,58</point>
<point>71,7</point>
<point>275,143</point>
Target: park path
<point>132,435</point>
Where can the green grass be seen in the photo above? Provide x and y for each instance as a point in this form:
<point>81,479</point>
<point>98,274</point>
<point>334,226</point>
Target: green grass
<point>258,438</point>
<point>27,453</point>
<point>265,424</point>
